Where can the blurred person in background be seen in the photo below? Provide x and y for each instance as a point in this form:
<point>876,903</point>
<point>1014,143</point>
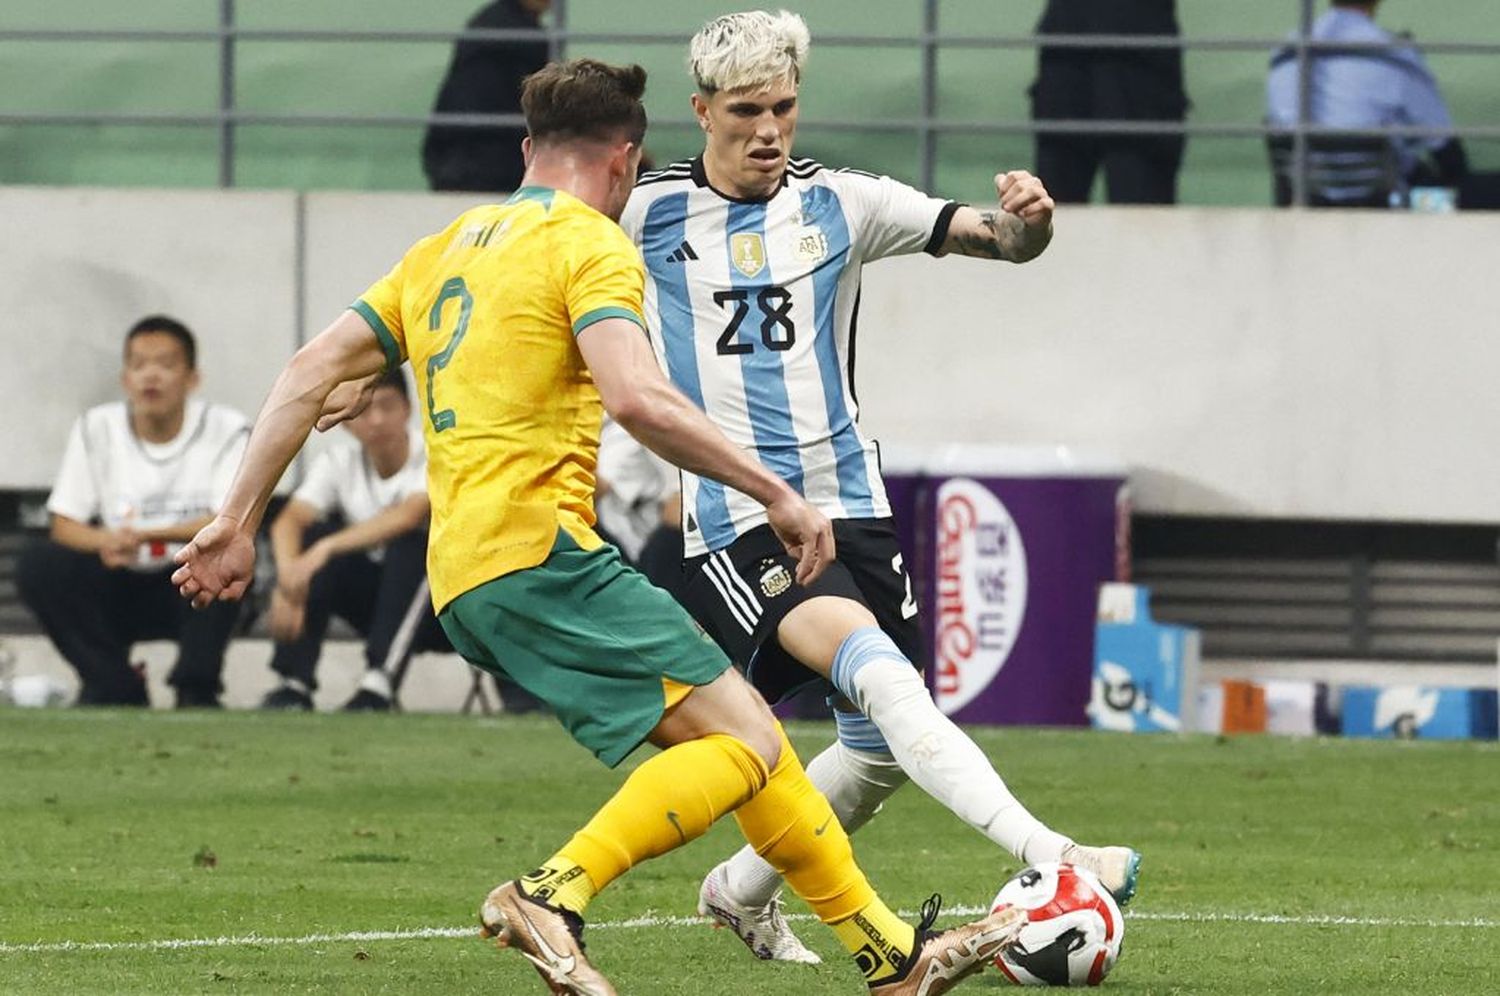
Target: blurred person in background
<point>352,542</point>
<point>639,503</point>
<point>139,478</point>
<point>1373,88</point>
<point>1095,83</point>
<point>485,78</point>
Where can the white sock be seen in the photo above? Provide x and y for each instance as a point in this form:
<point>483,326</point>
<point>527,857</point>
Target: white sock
<point>930,747</point>
<point>377,681</point>
<point>856,782</point>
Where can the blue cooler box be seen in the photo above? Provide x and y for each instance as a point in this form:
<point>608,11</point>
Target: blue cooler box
<point>1411,713</point>
<point>1145,672</point>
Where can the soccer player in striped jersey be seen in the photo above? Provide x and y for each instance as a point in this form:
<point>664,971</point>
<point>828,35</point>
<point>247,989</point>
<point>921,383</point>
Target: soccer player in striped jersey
<point>753,265</point>
<point>523,322</point>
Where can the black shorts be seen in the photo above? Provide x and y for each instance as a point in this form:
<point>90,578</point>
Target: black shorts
<point>741,593</point>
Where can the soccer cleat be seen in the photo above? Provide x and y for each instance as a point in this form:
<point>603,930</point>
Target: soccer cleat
<point>763,928</point>
<point>1118,868</point>
<point>129,690</point>
<point>197,698</point>
<point>549,937</point>
<point>944,958</point>
<point>287,698</point>
<point>365,700</point>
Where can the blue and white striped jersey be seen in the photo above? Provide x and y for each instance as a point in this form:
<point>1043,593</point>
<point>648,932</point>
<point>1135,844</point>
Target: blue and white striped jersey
<point>752,307</point>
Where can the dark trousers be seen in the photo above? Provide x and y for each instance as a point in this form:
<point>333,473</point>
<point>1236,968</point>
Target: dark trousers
<point>1138,169</point>
<point>374,598</point>
<point>1479,192</point>
<point>93,614</point>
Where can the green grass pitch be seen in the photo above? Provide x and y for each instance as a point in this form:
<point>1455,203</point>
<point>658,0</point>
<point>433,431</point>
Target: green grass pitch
<point>1271,865</point>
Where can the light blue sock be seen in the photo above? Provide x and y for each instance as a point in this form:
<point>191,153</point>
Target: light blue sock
<point>871,672</point>
<point>859,649</point>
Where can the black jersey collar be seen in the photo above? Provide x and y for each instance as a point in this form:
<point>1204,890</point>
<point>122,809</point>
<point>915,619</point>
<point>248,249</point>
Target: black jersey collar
<point>700,178</point>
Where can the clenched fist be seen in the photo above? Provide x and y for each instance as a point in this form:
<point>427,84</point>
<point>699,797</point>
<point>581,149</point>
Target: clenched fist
<point>1023,195</point>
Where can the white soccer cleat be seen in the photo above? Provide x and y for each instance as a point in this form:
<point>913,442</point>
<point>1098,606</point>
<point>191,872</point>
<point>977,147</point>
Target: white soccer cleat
<point>1118,868</point>
<point>763,928</point>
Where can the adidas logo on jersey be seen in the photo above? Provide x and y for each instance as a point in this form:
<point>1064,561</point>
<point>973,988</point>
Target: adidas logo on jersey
<point>683,254</point>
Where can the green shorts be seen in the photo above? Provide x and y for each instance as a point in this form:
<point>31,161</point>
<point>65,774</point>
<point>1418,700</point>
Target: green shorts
<point>592,638</point>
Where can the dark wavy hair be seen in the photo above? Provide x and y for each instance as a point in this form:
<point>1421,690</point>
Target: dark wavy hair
<point>585,99</point>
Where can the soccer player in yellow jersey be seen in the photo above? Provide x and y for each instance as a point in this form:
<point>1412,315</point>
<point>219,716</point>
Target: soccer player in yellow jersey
<point>519,318</point>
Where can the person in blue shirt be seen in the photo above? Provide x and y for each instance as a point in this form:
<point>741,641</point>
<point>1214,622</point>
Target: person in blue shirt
<point>1369,88</point>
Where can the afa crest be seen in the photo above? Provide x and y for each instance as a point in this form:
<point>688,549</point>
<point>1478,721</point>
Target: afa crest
<point>747,250</point>
<point>775,579</point>
<point>811,245</point>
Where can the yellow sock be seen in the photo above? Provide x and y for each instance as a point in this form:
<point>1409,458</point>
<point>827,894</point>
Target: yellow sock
<point>879,940</point>
<point>560,881</point>
<point>666,802</point>
<point>791,825</point>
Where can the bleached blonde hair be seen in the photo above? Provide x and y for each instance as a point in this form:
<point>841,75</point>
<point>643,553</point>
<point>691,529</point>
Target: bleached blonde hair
<point>749,49</point>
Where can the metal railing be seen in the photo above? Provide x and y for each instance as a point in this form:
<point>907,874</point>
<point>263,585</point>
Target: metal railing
<point>927,126</point>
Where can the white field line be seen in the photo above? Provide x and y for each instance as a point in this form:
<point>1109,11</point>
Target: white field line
<point>658,922</point>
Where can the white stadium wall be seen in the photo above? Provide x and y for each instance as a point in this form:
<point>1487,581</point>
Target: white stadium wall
<point>81,265</point>
<point>1241,362</point>
<point>353,239</point>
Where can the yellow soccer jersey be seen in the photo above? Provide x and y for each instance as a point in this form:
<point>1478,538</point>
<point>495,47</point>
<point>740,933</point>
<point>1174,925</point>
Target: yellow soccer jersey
<point>487,311</point>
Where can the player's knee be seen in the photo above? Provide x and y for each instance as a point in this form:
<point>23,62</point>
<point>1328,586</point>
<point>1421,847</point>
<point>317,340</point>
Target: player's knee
<point>869,650</point>
<point>765,740</point>
<point>745,714</point>
<point>814,630</point>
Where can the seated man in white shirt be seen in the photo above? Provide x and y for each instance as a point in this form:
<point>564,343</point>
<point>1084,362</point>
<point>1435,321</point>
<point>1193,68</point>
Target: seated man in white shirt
<point>639,503</point>
<point>352,542</point>
<point>139,477</point>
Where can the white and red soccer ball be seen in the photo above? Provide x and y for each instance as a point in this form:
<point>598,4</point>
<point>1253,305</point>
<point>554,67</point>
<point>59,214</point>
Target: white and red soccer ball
<point>1073,931</point>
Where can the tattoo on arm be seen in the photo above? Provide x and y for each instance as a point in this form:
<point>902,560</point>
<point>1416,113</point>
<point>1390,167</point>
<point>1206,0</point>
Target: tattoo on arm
<point>1004,236</point>
<point>987,242</point>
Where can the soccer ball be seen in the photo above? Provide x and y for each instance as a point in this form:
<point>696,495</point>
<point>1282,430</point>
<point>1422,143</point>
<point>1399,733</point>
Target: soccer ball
<point>1073,931</point>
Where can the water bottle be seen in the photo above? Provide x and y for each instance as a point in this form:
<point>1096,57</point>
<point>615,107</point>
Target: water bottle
<point>29,691</point>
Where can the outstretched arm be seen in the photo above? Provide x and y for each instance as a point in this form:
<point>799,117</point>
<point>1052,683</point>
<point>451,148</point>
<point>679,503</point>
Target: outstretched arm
<point>220,560</point>
<point>1018,232</point>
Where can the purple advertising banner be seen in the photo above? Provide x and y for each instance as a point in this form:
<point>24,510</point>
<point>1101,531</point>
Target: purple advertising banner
<point>1007,552</point>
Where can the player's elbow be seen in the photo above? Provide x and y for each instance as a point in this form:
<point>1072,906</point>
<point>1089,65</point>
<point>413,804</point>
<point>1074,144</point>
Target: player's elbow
<point>326,362</point>
<point>311,372</point>
<point>631,408</point>
<point>647,407</point>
